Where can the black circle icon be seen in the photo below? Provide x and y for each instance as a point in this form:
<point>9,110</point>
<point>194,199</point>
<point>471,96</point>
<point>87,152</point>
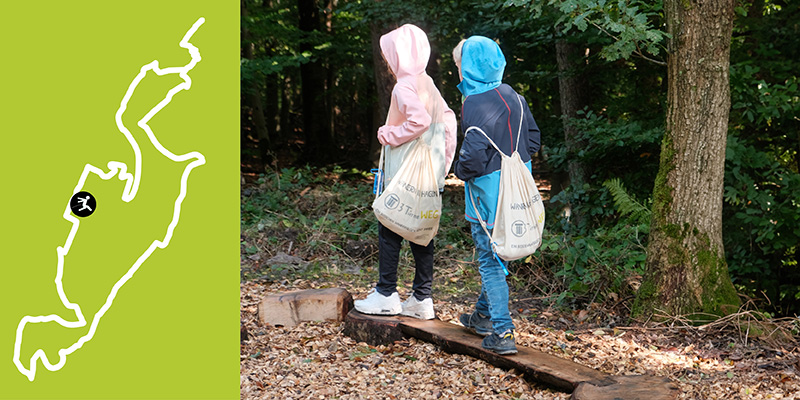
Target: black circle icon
<point>82,204</point>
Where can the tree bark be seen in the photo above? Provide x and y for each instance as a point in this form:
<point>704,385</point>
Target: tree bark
<point>252,97</point>
<point>330,79</point>
<point>312,75</point>
<point>271,93</point>
<point>285,86</point>
<point>686,268</point>
<point>573,95</point>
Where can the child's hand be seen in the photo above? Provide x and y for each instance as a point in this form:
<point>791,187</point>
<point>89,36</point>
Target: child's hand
<point>382,135</point>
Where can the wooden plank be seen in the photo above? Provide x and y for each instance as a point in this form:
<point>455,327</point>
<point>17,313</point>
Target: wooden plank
<point>557,372</point>
<point>583,382</point>
<point>628,387</point>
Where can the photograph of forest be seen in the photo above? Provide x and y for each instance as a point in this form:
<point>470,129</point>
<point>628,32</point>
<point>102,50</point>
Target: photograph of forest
<point>669,168</point>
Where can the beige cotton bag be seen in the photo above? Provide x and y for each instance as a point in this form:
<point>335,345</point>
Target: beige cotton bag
<point>519,220</point>
<point>410,205</point>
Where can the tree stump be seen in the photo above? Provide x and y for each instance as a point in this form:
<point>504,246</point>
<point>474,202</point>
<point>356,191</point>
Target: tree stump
<point>372,329</point>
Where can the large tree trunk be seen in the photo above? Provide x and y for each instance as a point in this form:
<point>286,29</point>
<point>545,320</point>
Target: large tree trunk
<point>316,128</point>
<point>271,93</point>
<point>573,95</point>
<point>686,268</point>
<point>330,79</point>
<point>252,97</point>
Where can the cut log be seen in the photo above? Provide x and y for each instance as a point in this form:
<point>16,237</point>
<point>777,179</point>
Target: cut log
<point>291,308</point>
<point>372,329</point>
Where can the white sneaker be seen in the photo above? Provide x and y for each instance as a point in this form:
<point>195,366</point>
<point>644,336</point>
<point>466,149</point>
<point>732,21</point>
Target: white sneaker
<point>378,304</point>
<point>418,309</point>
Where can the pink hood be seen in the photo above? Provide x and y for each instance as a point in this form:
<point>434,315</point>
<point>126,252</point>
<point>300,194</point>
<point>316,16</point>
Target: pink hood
<point>416,106</point>
<point>406,50</point>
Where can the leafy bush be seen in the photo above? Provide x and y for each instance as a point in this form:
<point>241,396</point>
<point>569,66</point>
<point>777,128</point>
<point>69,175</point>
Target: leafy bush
<point>605,264</point>
<point>602,251</point>
<point>619,148</point>
<point>320,208</point>
<point>762,225</point>
<point>593,204</point>
<point>603,257</point>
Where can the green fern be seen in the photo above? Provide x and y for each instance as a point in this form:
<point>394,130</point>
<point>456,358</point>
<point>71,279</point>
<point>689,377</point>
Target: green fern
<point>625,204</point>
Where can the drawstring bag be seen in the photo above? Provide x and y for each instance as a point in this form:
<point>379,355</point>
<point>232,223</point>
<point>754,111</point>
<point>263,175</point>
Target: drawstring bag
<point>410,206</point>
<point>519,220</point>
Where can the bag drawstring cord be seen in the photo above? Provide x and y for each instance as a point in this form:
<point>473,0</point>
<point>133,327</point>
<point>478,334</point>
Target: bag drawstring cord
<point>496,257</point>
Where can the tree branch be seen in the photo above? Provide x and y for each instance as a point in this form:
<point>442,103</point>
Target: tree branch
<point>638,51</point>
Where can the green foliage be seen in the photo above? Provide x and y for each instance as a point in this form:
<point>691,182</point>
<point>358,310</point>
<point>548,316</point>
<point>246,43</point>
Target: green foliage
<point>306,202</point>
<point>605,253</point>
<point>274,52</point>
<point>760,213</point>
<point>590,267</point>
<point>619,148</point>
<point>593,204</point>
<point>527,42</point>
<point>633,25</point>
<point>762,224</point>
<point>625,204</point>
<point>760,102</point>
<point>274,41</point>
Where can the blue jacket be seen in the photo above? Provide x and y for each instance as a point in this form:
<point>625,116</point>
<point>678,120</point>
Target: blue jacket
<point>496,110</point>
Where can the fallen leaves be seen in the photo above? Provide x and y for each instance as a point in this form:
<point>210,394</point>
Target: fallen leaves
<point>316,361</point>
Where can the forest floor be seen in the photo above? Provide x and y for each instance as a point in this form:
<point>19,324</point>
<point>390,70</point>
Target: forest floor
<point>738,357</point>
<point>315,360</point>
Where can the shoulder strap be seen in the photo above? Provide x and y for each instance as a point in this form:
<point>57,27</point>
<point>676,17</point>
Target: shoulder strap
<point>487,137</point>
<point>380,171</point>
<point>521,116</point>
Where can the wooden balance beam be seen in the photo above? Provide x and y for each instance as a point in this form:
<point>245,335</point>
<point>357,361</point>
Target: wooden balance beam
<point>583,382</point>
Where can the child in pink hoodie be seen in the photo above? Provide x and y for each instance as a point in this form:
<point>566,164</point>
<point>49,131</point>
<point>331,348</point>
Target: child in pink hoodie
<point>417,110</point>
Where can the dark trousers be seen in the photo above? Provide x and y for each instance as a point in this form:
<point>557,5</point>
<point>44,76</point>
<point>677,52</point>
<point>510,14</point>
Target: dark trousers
<point>389,255</point>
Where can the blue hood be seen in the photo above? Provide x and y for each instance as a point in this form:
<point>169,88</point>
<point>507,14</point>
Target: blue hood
<point>482,65</point>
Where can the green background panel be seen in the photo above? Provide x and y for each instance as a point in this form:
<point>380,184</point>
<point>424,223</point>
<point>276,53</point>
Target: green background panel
<point>172,330</point>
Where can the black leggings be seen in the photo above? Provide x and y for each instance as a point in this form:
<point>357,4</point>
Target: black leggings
<point>389,246</point>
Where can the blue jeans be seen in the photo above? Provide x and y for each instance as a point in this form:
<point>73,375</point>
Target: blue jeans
<point>493,300</point>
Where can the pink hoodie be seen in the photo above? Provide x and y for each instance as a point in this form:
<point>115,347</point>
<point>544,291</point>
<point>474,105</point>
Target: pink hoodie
<point>415,98</point>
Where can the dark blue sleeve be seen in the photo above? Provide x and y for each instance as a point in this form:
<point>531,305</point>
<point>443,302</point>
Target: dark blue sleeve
<point>472,157</point>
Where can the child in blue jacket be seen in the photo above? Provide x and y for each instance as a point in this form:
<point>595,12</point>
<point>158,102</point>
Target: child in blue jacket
<point>496,108</point>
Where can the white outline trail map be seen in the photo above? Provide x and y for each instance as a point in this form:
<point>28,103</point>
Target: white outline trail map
<point>132,180</point>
